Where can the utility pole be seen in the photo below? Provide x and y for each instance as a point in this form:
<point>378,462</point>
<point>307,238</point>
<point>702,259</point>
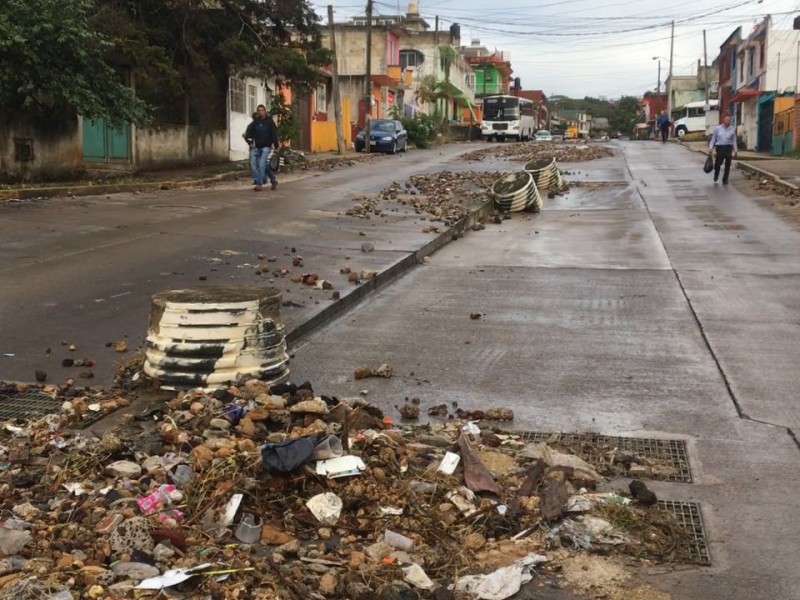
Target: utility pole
<point>778,76</point>
<point>368,95</point>
<point>669,78</point>
<point>797,73</point>
<point>658,86</point>
<point>436,55</point>
<point>705,65</point>
<point>337,101</point>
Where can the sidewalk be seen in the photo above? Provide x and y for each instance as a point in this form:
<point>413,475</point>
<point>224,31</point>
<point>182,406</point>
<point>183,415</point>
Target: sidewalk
<point>148,181</point>
<point>783,171</point>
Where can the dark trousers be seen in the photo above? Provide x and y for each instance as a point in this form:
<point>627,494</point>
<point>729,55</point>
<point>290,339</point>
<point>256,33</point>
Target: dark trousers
<point>664,132</point>
<point>724,153</point>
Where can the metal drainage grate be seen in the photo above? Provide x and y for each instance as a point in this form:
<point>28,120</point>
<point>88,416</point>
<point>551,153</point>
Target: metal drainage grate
<point>27,405</point>
<point>691,520</point>
<point>664,460</point>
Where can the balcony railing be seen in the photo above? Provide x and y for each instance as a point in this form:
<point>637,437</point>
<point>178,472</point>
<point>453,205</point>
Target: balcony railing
<point>488,89</point>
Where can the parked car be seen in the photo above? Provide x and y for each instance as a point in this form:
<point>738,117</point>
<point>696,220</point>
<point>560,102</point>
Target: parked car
<point>543,136</point>
<point>387,135</point>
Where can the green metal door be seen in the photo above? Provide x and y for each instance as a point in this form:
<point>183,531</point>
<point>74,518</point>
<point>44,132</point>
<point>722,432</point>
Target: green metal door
<point>94,140</point>
<point>103,144</point>
<point>118,142</point>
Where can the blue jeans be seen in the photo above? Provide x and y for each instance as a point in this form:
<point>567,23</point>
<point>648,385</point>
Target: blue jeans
<point>259,165</point>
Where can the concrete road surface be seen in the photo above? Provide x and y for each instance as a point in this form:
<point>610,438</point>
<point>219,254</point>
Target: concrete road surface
<point>658,305</point>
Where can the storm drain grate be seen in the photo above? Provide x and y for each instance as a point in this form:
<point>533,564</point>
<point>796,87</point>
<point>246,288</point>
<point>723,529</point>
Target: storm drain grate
<point>27,405</point>
<point>691,520</point>
<point>664,460</point>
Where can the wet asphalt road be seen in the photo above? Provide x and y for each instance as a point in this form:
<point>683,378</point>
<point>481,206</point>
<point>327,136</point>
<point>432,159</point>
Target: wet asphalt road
<point>658,305</point>
<point>82,270</point>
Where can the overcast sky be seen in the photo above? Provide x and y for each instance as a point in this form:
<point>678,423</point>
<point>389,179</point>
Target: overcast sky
<point>590,47</point>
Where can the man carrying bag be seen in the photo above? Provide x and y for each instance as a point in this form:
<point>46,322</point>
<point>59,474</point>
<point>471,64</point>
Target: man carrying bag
<point>723,145</point>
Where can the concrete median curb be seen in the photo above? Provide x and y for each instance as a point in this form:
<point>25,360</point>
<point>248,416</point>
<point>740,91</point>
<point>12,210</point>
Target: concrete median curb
<point>749,168</point>
<point>385,277</point>
<point>153,186</point>
<point>114,188</point>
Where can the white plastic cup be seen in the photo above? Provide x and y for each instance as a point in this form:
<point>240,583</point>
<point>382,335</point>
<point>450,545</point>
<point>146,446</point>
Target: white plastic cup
<point>249,530</point>
<point>330,447</point>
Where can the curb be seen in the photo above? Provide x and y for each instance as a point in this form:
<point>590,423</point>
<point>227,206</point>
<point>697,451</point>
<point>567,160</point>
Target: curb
<point>384,278</point>
<point>748,168</point>
<point>113,188</point>
<point>152,186</point>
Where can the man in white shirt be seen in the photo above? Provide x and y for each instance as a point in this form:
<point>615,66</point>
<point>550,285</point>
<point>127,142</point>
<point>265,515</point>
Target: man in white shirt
<point>723,142</point>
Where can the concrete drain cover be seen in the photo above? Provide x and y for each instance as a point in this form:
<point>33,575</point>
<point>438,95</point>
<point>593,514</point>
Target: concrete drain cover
<point>27,405</point>
<point>663,460</point>
<point>689,518</point>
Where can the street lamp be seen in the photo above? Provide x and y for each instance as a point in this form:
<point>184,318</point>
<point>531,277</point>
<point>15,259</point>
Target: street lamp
<point>669,81</point>
<point>659,59</point>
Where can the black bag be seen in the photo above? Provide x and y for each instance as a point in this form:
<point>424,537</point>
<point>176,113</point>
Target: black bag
<point>709,164</point>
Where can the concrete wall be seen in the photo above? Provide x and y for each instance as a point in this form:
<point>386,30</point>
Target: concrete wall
<point>351,49</point>
<point>750,123</point>
<point>163,146</point>
<point>783,43</point>
<point>57,147</point>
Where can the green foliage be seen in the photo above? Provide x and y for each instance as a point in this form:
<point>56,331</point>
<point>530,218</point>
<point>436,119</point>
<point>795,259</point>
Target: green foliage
<point>621,114</point>
<point>51,57</point>
<point>422,129</point>
<point>180,54</point>
<point>285,118</point>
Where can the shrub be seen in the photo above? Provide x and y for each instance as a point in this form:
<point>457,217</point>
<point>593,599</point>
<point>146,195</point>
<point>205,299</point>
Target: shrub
<point>422,129</point>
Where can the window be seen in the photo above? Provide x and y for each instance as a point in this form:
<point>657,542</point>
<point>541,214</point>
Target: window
<point>411,58</point>
<point>322,99</point>
<point>237,96</point>
<point>469,80</point>
<point>751,63</point>
<point>252,98</point>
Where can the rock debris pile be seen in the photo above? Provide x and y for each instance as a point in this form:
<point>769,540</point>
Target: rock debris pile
<point>529,151</point>
<point>262,492</point>
<point>446,196</point>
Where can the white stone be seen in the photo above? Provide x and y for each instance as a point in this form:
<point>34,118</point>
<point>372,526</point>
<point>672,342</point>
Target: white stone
<point>124,468</point>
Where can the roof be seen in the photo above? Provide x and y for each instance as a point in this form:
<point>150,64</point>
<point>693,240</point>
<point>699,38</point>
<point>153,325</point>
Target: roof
<point>498,61</point>
<point>535,95</point>
<point>386,81</point>
<point>744,94</point>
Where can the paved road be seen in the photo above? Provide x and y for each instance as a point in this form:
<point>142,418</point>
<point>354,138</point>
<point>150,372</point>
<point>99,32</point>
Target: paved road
<point>82,270</point>
<point>659,305</point>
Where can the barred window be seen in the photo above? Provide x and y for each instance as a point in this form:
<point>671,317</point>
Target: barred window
<point>252,98</point>
<point>238,95</point>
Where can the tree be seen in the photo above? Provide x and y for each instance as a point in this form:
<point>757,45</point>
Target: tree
<point>179,53</point>
<point>187,49</point>
<point>285,119</point>
<point>51,57</point>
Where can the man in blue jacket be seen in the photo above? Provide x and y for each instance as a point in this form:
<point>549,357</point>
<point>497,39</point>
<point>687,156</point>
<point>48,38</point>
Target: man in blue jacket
<point>662,124</point>
<point>262,136</point>
<point>723,143</point>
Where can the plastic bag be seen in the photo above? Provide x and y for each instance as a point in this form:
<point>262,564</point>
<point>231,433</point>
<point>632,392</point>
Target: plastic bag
<point>709,164</point>
<point>286,456</point>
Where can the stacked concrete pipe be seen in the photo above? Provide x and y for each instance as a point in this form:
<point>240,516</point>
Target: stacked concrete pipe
<point>515,192</point>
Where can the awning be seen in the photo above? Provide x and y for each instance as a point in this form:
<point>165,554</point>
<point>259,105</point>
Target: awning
<point>386,81</point>
<point>745,94</point>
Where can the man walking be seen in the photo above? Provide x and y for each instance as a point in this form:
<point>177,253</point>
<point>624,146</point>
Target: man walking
<point>662,123</point>
<point>723,141</point>
<point>262,136</point>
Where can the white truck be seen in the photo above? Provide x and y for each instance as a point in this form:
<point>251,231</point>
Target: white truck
<point>696,117</point>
